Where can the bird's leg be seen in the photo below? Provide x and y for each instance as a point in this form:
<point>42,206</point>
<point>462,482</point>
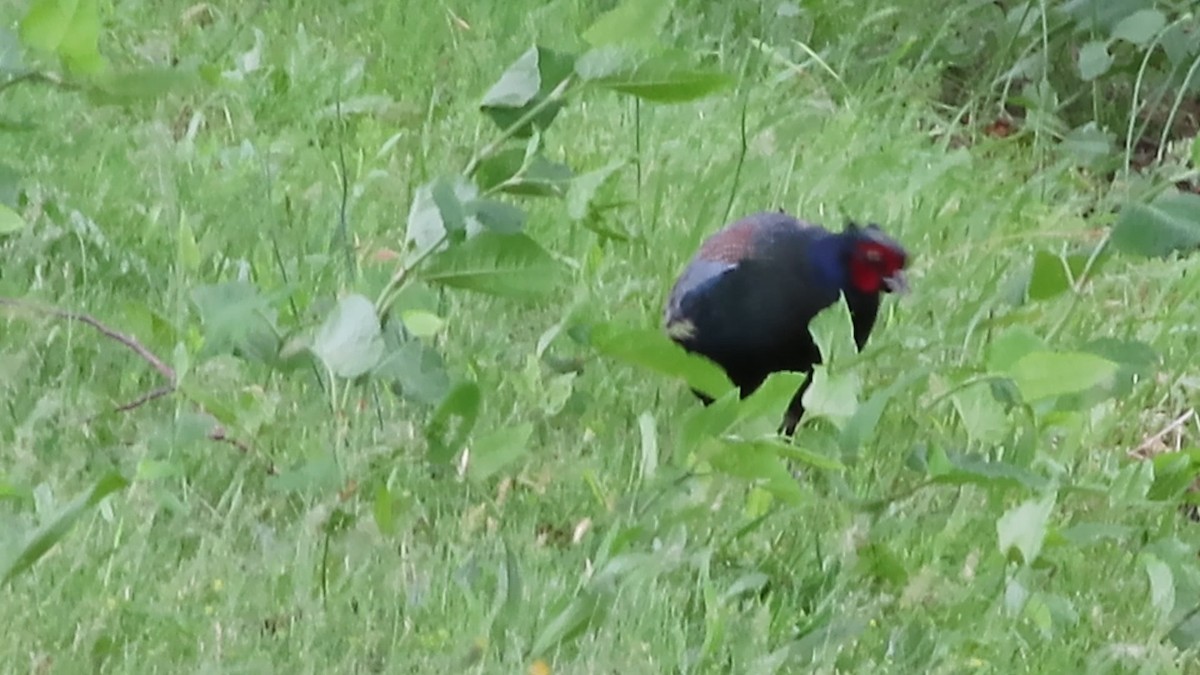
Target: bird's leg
<point>795,409</point>
<point>791,419</point>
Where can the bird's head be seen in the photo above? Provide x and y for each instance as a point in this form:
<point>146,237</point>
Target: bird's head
<point>877,261</point>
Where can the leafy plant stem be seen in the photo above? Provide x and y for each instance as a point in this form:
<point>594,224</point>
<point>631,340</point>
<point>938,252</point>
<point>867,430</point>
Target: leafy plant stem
<point>388,295</point>
<point>555,95</point>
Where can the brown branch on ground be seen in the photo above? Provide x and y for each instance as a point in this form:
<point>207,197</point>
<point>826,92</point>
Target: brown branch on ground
<point>146,398</point>
<point>1157,444</point>
<point>1154,445</point>
<point>124,339</point>
<point>216,434</point>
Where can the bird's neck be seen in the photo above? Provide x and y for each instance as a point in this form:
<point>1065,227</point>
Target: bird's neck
<point>828,256</point>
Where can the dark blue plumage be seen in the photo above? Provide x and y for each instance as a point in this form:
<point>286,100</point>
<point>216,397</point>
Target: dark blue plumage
<point>747,298</point>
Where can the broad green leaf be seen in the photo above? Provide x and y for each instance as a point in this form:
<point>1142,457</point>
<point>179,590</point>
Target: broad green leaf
<point>68,28</point>
<point>350,341</point>
<point>1043,374</point>
<point>517,85</point>
<point>10,221</point>
<point>527,83</point>
<point>421,323</point>
<point>452,422</point>
<point>313,475</point>
<point>955,469</point>
<point>757,461</point>
<point>583,189</point>
<point>506,265</point>
<point>428,227</point>
<point>1010,347</point>
<point>445,197</point>
<point>539,177</point>
<point>1180,556</point>
<point>1094,60</point>
<point>1133,358</point>
<point>770,401</point>
<point>38,542</point>
<point>1178,42</point>
<point>1169,223</point>
<point>702,424</point>
<point>295,350</point>
<point>606,61</point>
<point>983,417</point>
<point>1174,474</point>
<point>416,370</point>
<point>582,206</point>
<point>550,390</point>
<point>1089,145</point>
<point>1131,485</point>
<point>1140,27</point>
<point>1049,277</point>
<point>1100,16</point>
<point>497,216</point>
<point>661,80</point>
<point>1162,585</point>
<point>237,320</point>
<point>650,348</point>
<point>634,22</point>
<point>833,331</point>
<point>1023,527</point>
<point>797,453</point>
<point>557,393</point>
<point>833,395</point>
<point>494,451</point>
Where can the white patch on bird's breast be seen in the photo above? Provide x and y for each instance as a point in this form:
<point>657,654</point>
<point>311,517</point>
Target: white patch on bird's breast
<point>681,329</point>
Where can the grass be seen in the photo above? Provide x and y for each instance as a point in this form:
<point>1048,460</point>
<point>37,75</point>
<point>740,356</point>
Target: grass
<point>207,563</point>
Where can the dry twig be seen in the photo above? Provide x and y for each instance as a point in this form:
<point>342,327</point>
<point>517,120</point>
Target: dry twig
<point>217,433</point>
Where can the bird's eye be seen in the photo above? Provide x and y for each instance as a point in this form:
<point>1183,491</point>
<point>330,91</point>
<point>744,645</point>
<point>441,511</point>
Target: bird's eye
<point>873,255</point>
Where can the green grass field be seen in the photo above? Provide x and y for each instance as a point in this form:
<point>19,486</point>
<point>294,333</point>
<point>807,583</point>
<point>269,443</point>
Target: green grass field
<point>967,531</point>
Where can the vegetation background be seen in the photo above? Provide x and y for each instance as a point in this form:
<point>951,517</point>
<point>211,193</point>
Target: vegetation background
<point>329,338</point>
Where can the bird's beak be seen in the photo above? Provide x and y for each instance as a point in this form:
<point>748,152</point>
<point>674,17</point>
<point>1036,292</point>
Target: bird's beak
<point>897,283</point>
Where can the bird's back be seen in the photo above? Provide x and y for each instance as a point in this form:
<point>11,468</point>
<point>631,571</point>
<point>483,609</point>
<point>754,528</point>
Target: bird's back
<point>748,296</point>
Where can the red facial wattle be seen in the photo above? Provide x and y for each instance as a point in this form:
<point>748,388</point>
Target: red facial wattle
<point>875,268</point>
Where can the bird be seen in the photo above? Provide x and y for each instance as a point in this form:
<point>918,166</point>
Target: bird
<point>745,300</point>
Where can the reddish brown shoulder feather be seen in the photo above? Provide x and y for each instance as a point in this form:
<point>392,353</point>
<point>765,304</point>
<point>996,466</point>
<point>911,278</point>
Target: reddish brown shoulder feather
<point>730,245</point>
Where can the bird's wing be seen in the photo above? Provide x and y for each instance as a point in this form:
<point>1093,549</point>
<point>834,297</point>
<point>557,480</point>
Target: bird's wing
<point>698,280</point>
